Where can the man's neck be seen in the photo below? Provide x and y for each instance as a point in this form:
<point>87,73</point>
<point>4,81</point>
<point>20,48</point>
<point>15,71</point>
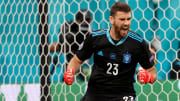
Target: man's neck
<point>114,35</point>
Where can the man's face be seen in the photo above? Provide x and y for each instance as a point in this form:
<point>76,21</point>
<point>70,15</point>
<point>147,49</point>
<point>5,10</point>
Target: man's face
<point>121,22</point>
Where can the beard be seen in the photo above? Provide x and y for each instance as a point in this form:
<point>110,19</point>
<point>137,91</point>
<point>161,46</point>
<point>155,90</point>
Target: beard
<point>121,31</point>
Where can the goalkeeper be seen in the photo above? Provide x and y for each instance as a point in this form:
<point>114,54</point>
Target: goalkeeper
<point>117,50</point>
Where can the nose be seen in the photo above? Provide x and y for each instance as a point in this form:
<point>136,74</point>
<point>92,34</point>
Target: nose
<point>126,22</point>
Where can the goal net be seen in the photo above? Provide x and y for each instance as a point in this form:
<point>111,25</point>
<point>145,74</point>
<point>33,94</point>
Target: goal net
<point>31,72</point>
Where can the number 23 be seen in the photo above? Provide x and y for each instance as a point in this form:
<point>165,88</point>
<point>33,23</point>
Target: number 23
<point>114,67</point>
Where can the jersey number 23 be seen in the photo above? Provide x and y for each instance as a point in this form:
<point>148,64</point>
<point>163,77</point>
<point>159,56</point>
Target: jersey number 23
<point>112,69</point>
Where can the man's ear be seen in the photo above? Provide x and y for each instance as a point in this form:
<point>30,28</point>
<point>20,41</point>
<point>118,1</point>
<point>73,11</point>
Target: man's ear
<point>111,19</point>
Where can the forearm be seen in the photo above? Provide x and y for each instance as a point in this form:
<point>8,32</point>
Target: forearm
<point>75,63</point>
<point>153,72</point>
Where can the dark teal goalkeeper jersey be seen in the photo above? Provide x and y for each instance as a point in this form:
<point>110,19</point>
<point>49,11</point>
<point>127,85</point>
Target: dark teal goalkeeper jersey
<point>114,63</point>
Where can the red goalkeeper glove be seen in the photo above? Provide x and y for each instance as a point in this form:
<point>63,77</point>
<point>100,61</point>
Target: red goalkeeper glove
<point>69,76</point>
<point>145,76</point>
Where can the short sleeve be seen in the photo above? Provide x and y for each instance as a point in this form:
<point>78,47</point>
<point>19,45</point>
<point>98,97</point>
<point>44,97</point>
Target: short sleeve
<point>86,49</point>
<point>146,59</point>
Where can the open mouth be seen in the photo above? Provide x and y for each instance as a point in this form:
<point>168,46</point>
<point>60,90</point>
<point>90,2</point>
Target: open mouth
<point>125,28</point>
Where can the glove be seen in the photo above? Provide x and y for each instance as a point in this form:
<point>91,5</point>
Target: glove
<point>69,76</point>
<point>145,76</point>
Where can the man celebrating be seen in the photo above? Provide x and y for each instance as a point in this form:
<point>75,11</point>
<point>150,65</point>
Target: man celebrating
<point>117,50</point>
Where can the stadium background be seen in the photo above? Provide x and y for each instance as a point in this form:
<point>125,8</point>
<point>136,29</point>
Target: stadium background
<point>20,40</point>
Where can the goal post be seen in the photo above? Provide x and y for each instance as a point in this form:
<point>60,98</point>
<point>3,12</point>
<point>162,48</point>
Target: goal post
<point>29,27</point>
<point>44,51</point>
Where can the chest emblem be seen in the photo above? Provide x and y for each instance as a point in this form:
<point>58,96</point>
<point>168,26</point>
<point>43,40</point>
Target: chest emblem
<point>126,58</point>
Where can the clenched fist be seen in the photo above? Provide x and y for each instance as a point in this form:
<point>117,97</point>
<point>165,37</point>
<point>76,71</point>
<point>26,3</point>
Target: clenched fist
<point>69,76</point>
<point>145,76</point>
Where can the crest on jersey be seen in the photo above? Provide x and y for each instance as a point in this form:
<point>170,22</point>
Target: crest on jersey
<point>126,58</point>
<point>112,56</point>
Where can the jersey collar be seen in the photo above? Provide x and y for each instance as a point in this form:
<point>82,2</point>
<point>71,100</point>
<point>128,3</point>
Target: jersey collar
<point>111,41</point>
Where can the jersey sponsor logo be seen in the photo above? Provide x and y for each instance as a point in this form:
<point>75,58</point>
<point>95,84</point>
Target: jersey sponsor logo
<point>112,56</point>
<point>126,58</point>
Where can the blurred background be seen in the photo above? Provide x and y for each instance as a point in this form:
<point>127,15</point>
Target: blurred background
<point>28,28</point>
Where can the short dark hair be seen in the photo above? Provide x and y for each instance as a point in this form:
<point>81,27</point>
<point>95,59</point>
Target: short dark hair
<point>83,14</point>
<point>120,6</point>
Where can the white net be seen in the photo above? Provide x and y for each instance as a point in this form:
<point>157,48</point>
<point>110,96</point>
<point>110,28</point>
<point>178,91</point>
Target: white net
<point>157,21</point>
